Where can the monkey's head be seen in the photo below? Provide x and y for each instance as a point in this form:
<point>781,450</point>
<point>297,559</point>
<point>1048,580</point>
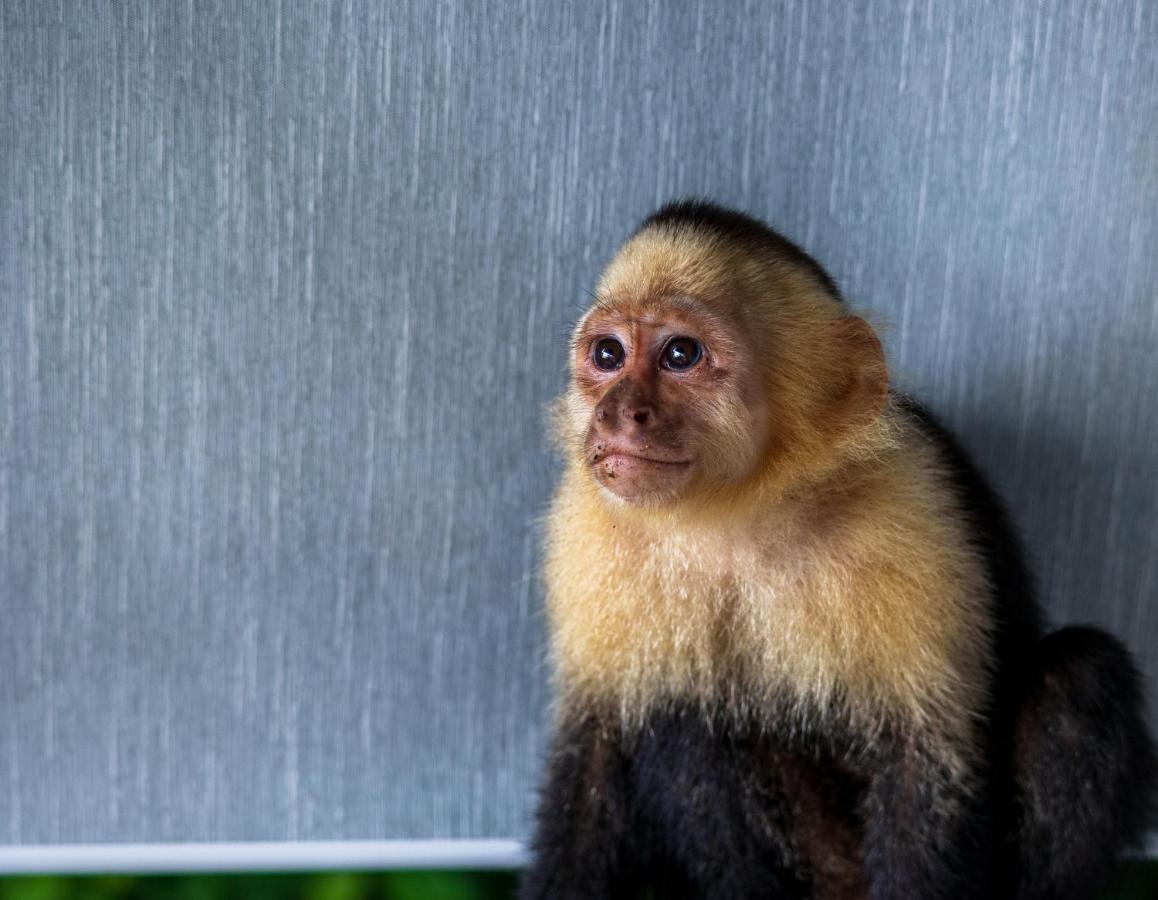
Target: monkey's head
<point>717,358</point>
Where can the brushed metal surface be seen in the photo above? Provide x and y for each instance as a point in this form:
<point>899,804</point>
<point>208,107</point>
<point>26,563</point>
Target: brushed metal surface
<point>284,289</point>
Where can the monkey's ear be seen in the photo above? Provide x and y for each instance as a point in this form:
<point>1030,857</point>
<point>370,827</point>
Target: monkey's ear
<point>866,384</point>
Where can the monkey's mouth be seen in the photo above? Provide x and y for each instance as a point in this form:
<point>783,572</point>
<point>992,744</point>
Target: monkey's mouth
<point>620,459</point>
<point>637,475</point>
<point>613,455</point>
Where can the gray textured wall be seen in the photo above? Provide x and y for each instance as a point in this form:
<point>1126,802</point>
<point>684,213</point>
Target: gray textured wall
<point>283,291</point>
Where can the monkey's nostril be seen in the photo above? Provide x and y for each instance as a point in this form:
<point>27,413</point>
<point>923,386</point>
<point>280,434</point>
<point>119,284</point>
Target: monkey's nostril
<point>641,416</point>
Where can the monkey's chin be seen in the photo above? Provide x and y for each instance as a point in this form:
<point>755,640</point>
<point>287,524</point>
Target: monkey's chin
<point>642,482</point>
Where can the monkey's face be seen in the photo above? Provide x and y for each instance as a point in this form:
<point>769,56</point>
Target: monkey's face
<point>660,403</point>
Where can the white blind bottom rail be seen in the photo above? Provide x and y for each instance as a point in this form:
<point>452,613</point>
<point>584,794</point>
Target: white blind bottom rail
<point>259,856</point>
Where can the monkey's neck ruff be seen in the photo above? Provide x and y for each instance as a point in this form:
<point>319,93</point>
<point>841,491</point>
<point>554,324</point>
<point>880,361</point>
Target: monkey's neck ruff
<point>863,599</point>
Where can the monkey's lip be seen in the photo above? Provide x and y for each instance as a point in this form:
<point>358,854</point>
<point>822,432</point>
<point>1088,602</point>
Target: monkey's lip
<point>624,456</point>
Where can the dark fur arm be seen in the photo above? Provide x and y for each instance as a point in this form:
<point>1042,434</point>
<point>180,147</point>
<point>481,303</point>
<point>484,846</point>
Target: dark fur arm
<point>720,796</point>
<point>580,845</point>
<point>924,833</point>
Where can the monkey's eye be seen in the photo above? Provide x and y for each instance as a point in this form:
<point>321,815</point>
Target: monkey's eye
<point>681,353</point>
<point>607,354</point>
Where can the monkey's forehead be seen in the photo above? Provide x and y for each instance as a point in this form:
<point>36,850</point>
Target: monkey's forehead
<point>660,263</point>
<point>672,266</point>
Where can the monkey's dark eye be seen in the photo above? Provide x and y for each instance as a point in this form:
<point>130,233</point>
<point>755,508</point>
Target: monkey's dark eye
<point>607,354</point>
<point>681,353</point>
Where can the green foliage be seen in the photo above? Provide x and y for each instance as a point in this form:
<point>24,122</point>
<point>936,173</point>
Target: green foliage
<point>304,886</point>
<point>1135,881</point>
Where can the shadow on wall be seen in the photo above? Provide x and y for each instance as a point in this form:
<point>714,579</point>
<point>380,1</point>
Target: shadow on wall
<point>1075,496</point>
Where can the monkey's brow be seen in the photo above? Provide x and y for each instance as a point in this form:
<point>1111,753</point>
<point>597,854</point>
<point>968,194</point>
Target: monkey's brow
<point>685,303</point>
<point>607,303</point>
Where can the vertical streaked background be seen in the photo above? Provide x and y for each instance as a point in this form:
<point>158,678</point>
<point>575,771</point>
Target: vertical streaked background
<point>283,293</point>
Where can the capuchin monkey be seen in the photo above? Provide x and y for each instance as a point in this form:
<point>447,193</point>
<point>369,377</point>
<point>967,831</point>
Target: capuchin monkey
<point>796,644</point>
